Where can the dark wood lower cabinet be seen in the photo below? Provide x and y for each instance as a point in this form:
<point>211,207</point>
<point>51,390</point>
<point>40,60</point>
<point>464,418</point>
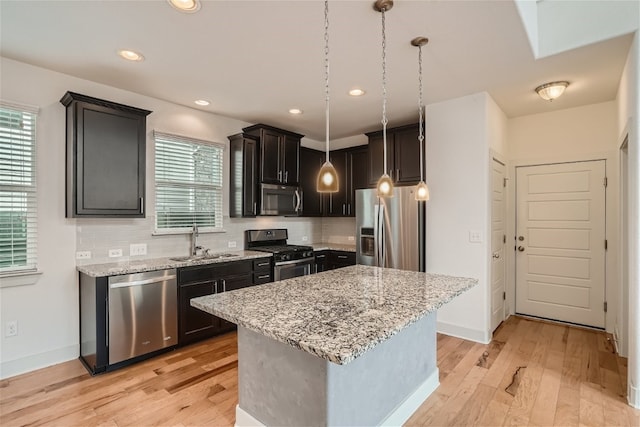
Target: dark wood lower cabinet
<point>330,260</point>
<point>194,324</point>
<point>322,261</point>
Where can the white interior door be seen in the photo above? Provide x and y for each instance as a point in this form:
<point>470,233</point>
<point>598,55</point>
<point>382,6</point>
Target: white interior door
<point>498,239</point>
<point>560,255</point>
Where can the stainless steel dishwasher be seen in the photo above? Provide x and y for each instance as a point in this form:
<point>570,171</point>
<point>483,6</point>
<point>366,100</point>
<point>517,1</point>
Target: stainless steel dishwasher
<point>143,314</point>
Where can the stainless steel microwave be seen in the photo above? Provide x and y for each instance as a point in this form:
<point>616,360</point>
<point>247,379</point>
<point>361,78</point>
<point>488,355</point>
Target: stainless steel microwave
<point>280,200</point>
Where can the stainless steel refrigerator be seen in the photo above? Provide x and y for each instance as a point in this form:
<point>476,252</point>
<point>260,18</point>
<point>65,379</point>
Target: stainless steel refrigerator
<point>390,230</point>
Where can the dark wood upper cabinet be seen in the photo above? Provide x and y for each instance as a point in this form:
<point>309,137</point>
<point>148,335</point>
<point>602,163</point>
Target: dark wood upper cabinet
<point>279,154</point>
<point>310,163</point>
<point>351,166</point>
<point>106,158</point>
<point>403,155</point>
<point>243,183</point>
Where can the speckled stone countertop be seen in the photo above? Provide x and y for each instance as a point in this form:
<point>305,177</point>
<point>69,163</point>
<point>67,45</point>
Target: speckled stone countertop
<point>152,264</point>
<point>324,246</point>
<point>340,314</point>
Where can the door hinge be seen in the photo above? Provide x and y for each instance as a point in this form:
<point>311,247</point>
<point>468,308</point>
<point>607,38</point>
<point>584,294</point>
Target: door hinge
<point>504,296</point>
<point>504,182</point>
<point>606,244</point>
<point>504,238</point>
<point>605,181</point>
<point>605,306</point>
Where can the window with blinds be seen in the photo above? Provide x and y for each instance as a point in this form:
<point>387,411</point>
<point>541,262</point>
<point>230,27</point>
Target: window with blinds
<point>18,207</point>
<point>188,179</point>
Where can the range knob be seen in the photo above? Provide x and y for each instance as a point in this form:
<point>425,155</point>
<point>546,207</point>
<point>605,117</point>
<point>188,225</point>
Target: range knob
<point>286,257</point>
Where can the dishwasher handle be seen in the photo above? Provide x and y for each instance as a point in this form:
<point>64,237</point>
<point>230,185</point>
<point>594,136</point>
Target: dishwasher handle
<point>140,279</point>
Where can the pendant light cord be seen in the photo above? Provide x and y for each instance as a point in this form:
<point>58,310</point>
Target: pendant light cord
<point>420,112</point>
<point>326,73</point>
<point>384,92</point>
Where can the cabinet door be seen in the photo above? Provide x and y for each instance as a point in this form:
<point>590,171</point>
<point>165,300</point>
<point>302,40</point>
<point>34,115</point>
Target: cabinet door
<point>106,161</point>
<point>231,283</point>
<point>290,160</point>
<point>407,156</point>
<point>376,157</point>
<point>357,166</point>
<point>322,261</point>
<point>250,178</point>
<point>195,324</point>
<point>337,202</point>
<point>310,163</point>
<point>270,156</point>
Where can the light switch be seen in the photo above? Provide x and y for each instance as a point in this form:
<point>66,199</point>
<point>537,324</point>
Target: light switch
<point>475,236</point>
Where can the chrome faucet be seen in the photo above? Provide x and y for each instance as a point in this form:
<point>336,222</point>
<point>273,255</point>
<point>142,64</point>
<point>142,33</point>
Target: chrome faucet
<point>194,240</point>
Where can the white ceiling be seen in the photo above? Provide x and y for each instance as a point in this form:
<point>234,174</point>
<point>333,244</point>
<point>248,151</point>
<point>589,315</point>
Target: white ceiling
<point>256,59</point>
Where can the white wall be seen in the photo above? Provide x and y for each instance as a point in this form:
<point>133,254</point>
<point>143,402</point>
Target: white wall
<point>628,105</point>
<point>47,311</point>
<point>457,159</point>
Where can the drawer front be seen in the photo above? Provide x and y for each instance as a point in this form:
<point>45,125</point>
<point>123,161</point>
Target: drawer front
<point>262,264</point>
<point>342,257</point>
<point>197,274</point>
<point>260,278</point>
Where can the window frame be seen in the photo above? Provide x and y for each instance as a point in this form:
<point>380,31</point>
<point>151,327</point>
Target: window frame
<point>218,190</point>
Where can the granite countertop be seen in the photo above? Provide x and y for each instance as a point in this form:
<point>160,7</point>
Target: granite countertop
<point>325,246</point>
<point>152,264</point>
<point>340,314</point>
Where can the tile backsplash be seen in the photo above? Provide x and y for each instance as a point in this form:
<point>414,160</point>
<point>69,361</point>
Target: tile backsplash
<point>101,235</point>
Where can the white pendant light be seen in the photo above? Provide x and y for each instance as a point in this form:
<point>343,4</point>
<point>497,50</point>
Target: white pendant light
<point>422,191</point>
<point>385,184</point>
<point>551,91</point>
<point>327,181</point>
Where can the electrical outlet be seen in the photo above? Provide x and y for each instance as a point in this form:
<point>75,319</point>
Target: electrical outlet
<point>12,328</point>
<point>351,238</point>
<point>232,244</point>
<point>83,255</point>
<point>475,236</point>
<point>137,249</point>
<point>114,253</point>
<point>305,238</point>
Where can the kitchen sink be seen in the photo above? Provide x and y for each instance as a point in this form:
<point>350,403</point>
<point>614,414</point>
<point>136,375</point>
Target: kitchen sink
<point>202,257</point>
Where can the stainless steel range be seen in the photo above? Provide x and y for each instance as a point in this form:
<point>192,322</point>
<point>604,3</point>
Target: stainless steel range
<point>288,260</point>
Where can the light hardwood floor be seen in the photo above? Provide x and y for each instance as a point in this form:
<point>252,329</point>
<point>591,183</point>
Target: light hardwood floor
<point>532,373</point>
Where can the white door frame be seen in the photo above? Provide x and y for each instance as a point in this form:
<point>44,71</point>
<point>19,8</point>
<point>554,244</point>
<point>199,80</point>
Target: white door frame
<point>495,158</point>
<point>612,229</point>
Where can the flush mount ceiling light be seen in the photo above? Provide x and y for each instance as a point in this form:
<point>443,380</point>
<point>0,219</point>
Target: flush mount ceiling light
<point>130,55</point>
<point>422,191</point>
<point>356,92</point>
<point>327,181</point>
<point>202,102</point>
<point>188,6</point>
<point>551,91</point>
<point>385,184</point>
<point>295,111</point>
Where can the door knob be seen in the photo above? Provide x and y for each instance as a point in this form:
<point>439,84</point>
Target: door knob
<point>521,238</point>
<point>496,255</point>
<point>521,248</point>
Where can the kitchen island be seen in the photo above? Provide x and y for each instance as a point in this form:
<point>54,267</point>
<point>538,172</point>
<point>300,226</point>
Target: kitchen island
<point>354,346</point>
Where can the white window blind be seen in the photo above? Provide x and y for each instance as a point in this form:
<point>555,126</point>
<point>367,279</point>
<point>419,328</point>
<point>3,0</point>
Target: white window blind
<point>188,178</point>
<point>18,207</point>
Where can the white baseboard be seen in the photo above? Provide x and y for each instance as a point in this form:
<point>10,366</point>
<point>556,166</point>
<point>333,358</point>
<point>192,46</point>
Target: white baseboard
<point>477,335</point>
<point>30,363</point>
<point>633,395</point>
<point>398,417</point>
<point>404,411</point>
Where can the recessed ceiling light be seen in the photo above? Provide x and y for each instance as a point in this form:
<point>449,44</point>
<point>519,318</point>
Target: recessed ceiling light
<point>131,55</point>
<point>295,111</point>
<point>188,6</point>
<point>356,92</point>
<point>202,102</point>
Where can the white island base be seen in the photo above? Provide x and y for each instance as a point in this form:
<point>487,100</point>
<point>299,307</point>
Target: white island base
<point>283,386</point>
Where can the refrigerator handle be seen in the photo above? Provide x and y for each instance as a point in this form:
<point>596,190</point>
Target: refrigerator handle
<point>380,235</point>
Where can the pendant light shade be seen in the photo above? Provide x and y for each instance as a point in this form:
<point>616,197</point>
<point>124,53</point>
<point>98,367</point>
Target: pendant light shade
<point>327,181</point>
<point>385,184</point>
<point>422,191</point>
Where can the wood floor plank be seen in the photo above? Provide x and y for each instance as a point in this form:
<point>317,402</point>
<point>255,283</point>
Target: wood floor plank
<point>572,377</point>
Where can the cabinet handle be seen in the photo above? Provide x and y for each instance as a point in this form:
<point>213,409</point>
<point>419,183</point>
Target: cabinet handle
<point>286,176</point>
<point>264,276</point>
<point>216,286</point>
<point>320,256</point>
<point>280,176</point>
<point>349,205</point>
<point>316,268</point>
<point>397,175</point>
<point>342,257</point>
<point>255,207</point>
<point>142,205</point>
<point>263,264</point>
<point>224,285</point>
<point>343,208</point>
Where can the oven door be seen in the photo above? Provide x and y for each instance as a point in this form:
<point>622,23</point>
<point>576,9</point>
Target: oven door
<point>288,269</point>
